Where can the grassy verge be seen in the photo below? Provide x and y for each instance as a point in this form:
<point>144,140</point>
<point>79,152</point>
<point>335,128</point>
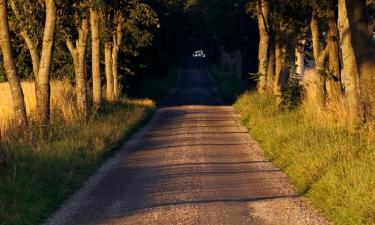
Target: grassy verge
<point>229,86</point>
<point>40,173</point>
<point>333,169</point>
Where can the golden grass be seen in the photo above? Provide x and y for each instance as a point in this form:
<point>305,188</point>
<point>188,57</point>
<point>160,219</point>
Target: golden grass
<point>62,102</point>
<point>334,112</point>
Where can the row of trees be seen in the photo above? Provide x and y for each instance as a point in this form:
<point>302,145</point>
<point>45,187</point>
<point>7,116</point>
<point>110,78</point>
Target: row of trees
<point>42,25</point>
<point>339,36</point>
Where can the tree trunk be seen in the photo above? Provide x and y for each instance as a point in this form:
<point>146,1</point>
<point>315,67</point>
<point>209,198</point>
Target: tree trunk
<point>358,59</point>
<point>334,87</point>
<point>300,60</point>
<point>271,66</point>
<point>108,71</point>
<point>33,52</point>
<point>10,68</point>
<point>117,39</point>
<point>280,54</point>
<point>96,79</point>
<point>79,58</point>
<point>350,69</point>
<point>42,85</point>
<point>31,45</point>
<point>319,57</point>
<point>263,25</point>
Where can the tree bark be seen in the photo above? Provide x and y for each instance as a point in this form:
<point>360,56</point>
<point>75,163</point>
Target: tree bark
<point>42,85</point>
<point>280,54</point>
<point>263,26</point>
<point>96,78</point>
<point>31,45</point>
<point>358,60</point>
<point>117,39</point>
<point>108,71</point>
<point>300,59</point>
<point>78,53</point>
<point>271,66</point>
<point>350,69</point>
<point>10,68</point>
<point>319,57</point>
<point>334,87</point>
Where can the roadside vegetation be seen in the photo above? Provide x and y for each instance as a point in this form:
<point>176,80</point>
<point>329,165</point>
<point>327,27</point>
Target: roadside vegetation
<point>229,86</point>
<point>39,170</point>
<point>330,166</point>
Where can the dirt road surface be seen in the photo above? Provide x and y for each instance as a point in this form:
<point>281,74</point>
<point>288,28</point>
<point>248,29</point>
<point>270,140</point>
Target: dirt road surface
<point>193,163</point>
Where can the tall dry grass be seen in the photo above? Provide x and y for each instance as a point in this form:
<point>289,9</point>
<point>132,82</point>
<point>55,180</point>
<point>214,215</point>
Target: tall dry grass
<point>334,112</point>
<point>62,102</point>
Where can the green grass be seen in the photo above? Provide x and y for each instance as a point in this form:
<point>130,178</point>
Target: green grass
<point>229,86</point>
<point>40,173</point>
<point>335,170</point>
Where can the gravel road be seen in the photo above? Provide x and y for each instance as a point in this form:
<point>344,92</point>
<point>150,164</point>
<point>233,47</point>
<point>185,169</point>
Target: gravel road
<point>193,163</point>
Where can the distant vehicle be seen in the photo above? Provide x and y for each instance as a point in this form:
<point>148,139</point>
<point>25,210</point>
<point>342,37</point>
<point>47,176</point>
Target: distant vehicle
<point>199,54</point>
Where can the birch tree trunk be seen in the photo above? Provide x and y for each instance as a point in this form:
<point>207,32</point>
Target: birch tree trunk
<point>108,71</point>
<point>78,53</point>
<point>96,78</point>
<point>263,25</point>
<point>42,85</point>
<point>10,68</point>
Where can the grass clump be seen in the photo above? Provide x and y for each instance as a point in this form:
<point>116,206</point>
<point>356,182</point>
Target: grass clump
<point>38,173</point>
<point>229,85</point>
<point>333,168</point>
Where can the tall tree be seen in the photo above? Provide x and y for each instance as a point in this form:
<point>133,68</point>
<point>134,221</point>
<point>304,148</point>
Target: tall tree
<point>14,83</point>
<point>27,16</point>
<point>262,9</point>
<point>95,48</point>
<point>358,60</point>
<point>76,25</point>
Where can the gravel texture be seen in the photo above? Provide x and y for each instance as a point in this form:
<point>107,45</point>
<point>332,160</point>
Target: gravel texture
<point>194,163</point>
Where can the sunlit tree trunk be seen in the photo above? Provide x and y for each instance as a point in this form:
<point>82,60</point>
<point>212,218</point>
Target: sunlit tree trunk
<point>271,66</point>
<point>42,85</point>
<point>78,53</point>
<point>31,44</point>
<point>117,39</point>
<point>96,78</point>
<point>334,87</point>
<point>108,71</point>
<point>300,59</point>
<point>280,54</point>
<point>358,60</point>
<point>319,57</point>
<point>10,68</point>
<point>263,25</point>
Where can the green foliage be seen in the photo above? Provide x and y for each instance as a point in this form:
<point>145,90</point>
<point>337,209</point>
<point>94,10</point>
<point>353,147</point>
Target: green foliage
<point>40,173</point>
<point>332,168</point>
<point>229,85</point>
<point>152,87</point>
<point>292,93</point>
